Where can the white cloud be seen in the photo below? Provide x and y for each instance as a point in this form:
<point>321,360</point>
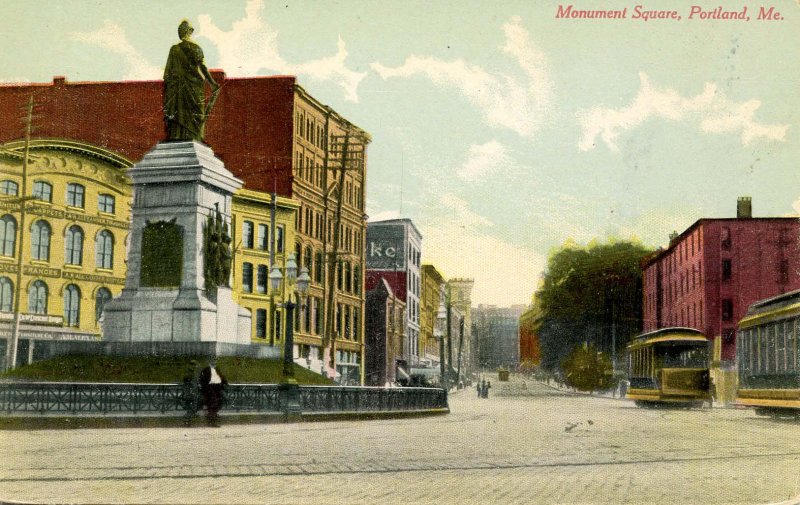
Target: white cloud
<point>461,243</point>
<point>485,160</point>
<point>796,204</point>
<point>113,38</point>
<point>506,101</point>
<point>250,48</point>
<point>711,109</point>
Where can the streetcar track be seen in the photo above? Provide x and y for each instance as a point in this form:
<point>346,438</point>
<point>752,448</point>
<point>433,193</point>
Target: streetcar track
<point>377,471</point>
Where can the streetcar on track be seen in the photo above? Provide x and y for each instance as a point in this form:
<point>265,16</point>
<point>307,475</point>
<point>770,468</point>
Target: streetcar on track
<point>767,356</point>
<point>669,367</point>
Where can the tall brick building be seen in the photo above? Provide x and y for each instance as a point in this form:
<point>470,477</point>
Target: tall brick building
<point>711,273</point>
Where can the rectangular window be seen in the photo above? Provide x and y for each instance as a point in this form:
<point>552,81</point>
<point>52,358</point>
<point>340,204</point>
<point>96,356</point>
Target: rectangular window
<point>769,360</point>
<point>347,332</point>
<point>726,270</point>
<point>727,309</point>
<point>783,272</point>
<point>279,239</point>
<point>105,203</point>
<point>318,316</point>
<point>42,191</point>
<point>247,277</point>
<point>277,324</point>
<point>75,193</point>
<point>263,237</point>
<point>261,323</point>
<point>356,327</point>
<point>307,316</point>
<point>782,337</point>
<point>262,279</point>
<point>247,234</point>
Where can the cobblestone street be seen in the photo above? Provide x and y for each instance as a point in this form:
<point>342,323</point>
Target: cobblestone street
<point>527,444</point>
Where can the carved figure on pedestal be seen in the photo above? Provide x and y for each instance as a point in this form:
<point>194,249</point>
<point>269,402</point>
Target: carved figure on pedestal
<point>185,76</point>
<point>216,252</point>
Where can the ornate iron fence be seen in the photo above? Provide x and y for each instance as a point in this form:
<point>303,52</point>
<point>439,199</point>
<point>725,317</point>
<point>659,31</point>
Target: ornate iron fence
<point>370,399</point>
<point>110,398</point>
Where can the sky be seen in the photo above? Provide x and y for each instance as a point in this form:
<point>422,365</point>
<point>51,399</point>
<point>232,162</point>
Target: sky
<point>502,130</point>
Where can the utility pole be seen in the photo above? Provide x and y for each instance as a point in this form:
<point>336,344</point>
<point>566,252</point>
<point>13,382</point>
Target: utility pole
<point>460,344</point>
<point>12,354</point>
<point>449,337</point>
<point>350,157</point>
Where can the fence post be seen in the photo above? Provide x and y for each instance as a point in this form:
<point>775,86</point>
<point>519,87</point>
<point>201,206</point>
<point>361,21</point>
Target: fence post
<point>289,395</point>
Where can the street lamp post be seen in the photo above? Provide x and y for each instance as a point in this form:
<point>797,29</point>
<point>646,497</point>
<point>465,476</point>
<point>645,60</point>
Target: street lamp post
<point>289,390</point>
<point>442,317</point>
<point>298,288</point>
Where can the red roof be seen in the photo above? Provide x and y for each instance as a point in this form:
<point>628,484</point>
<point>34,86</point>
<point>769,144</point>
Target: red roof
<point>250,127</point>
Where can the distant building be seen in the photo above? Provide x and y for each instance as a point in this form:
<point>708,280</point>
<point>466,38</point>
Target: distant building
<point>385,324</point>
<point>431,328</point>
<point>393,252</point>
<point>459,295</point>
<point>497,332</point>
<point>530,353</point>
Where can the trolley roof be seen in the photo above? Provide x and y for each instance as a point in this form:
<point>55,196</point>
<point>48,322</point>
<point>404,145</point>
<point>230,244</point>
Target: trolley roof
<point>675,334</point>
<point>770,309</point>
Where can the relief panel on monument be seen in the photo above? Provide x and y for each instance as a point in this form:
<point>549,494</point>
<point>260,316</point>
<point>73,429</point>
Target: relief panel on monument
<point>162,255</point>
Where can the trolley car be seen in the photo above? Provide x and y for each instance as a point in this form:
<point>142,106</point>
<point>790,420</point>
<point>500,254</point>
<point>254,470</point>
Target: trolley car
<point>669,367</point>
<point>767,356</point>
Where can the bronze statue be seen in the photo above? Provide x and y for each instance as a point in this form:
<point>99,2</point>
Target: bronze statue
<point>216,252</point>
<point>185,75</point>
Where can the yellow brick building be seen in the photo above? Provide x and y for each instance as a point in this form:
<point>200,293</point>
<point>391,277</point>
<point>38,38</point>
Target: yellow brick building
<point>73,236</point>
<point>252,238</point>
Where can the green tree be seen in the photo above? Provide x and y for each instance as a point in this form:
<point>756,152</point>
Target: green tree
<point>590,295</point>
<point>587,369</point>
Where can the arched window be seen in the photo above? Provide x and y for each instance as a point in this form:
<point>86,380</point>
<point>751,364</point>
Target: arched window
<point>73,245</point>
<point>104,250</point>
<point>102,297</point>
<point>298,256</point>
<point>40,240</point>
<point>43,191</point>
<point>9,188</point>
<point>319,269</point>
<point>37,298</point>
<point>8,235</point>
<point>75,193</point>
<point>6,294</point>
<point>307,259</point>
<point>72,305</point>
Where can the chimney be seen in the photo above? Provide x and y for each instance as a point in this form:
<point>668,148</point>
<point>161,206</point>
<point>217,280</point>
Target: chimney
<point>744,207</point>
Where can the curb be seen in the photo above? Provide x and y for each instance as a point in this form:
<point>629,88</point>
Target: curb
<point>55,422</point>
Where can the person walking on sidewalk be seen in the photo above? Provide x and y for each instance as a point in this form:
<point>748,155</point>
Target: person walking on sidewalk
<point>212,384</point>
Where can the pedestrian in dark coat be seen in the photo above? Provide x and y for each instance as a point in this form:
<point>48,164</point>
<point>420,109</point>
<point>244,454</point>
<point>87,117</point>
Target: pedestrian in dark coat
<point>212,385</point>
<point>486,389</point>
<point>191,394</point>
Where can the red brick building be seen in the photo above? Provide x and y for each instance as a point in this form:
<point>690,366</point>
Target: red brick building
<point>711,273</point>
